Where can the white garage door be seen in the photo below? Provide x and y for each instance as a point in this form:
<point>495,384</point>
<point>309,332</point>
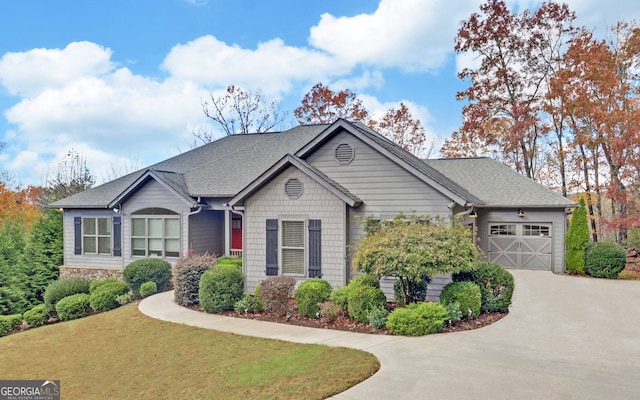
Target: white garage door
<point>518,245</point>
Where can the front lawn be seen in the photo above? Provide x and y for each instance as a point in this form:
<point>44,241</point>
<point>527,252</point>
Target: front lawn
<point>124,354</point>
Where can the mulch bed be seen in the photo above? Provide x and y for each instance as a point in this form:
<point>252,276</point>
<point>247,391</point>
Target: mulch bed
<point>343,323</point>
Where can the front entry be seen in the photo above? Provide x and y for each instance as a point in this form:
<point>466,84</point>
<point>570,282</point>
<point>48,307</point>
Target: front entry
<point>236,232</point>
<point>518,245</point>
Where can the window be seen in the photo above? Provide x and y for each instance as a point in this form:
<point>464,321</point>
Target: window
<point>293,247</point>
<point>96,236</point>
<point>503,230</point>
<point>536,230</point>
<point>155,235</point>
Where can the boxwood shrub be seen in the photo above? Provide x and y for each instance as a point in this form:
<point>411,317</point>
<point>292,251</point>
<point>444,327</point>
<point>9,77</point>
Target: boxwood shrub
<point>73,307</point>
<point>104,297</point>
<point>605,260</point>
<point>93,285</point>
<point>309,294</point>
<point>9,323</point>
<point>418,319</point>
<point>147,289</point>
<point>147,270</point>
<point>467,294</point>
<point>361,300</point>
<point>340,295</point>
<point>37,316</point>
<point>187,274</point>
<point>220,288</point>
<point>57,290</point>
<point>496,285</point>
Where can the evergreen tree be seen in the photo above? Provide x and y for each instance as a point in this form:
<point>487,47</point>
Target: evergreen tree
<point>577,240</point>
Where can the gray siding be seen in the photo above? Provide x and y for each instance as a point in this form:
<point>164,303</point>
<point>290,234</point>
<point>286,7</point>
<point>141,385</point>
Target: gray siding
<point>316,202</point>
<point>385,187</point>
<point>206,232</point>
<point>78,260</point>
<point>556,217</point>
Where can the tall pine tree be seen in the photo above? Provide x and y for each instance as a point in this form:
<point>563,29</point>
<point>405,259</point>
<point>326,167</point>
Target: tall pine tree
<point>577,240</point>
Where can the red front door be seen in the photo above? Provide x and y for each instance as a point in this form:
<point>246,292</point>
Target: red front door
<point>236,232</point>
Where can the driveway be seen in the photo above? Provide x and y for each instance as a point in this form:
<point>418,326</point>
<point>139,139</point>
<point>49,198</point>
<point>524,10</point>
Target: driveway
<point>564,338</point>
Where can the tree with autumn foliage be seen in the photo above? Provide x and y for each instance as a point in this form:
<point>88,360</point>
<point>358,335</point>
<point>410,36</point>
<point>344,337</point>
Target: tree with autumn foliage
<point>321,105</point>
<point>399,126</point>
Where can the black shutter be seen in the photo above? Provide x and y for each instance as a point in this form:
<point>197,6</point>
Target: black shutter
<point>272,247</point>
<point>77,235</point>
<point>315,249</point>
<point>117,237</point>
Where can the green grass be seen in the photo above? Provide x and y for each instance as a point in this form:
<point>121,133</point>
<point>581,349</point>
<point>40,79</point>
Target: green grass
<point>124,354</point>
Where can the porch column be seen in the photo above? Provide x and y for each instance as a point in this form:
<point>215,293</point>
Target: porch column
<point>227,232</point>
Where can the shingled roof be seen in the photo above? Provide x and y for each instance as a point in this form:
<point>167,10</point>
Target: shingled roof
<point>497,185</point>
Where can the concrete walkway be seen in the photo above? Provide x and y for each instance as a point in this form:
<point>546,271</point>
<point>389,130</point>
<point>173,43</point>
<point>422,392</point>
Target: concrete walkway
<point>564,338</point>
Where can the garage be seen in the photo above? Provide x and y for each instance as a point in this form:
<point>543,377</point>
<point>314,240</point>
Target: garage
<point>521,245</point>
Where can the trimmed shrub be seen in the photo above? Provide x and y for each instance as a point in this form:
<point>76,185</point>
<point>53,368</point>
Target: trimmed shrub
<point>9,323</point>
<point>330,311</point>
<point>417,291</point>
<point>187,274</point>
<point>93,285</point>
<point>275,292</point>
<point>309,294</point>
<point>37,316</point>
<point>577,240</point>
<point>340,297</point>
<point>362,300</point>
<point>123,299</point>
<point>62,288</point>
<point>73,307</point>
<point>605,260</point>
<point>365,280</point>
<point>258,299</point>
<point>496,285</point>
<point>147,270</point>
<point>227,260</point>
<point>378,318</point>
<point>418,319</point>
<point>467,294</point>
<point>147,289</point>
<point>454,311</point>
<point>247,304</point>
<point>104,296</point>
<point>220,288</point>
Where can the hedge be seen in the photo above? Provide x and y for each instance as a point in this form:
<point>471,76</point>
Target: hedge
<point>147,270</point>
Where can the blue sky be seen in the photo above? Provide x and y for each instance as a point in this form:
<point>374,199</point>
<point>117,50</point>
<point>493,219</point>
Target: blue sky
<point>122,80</point>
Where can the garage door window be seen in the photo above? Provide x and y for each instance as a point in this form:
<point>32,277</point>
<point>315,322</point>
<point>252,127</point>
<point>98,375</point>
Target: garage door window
<point>536,230</point>
<point>503,230</point>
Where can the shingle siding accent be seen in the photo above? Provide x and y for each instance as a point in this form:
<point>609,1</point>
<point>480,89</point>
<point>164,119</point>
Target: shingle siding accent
<point>316,202</point>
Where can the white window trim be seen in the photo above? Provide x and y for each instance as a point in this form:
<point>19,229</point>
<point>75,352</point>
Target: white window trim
<point>97,236</point>
<point>305,229</point>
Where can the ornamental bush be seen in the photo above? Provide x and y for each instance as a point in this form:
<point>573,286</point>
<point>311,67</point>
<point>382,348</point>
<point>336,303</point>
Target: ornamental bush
<point>147,270</point>
<point>57,290</point>
<point>147,289</point>
<point>73,307</point>
<point>339,297</point>
<point>275,292</point>
<point>309,294</point>
<point>361,300</point>
<point>417,290</point>
<point>467,294</point>
<point>9,323</point>
<point>378,318</point>
<point>605,260</point>
<point>37,316</point>
<point>93,285</point>
<point>187,274</point>
<point>104,296</point>
<point>577,240</point>
<point>496,285</point>
<point>365,280</point>
<point>247,304</point>
<point>330,311</point>
<point>418,319</point>
<point>228,260</point>
<point>220,288</point>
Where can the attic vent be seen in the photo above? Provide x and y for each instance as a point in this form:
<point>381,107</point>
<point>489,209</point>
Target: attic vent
<point>344,153</point>
<point>293,188</point>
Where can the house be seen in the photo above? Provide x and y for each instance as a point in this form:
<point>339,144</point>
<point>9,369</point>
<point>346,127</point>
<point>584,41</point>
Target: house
<point>289,203</point>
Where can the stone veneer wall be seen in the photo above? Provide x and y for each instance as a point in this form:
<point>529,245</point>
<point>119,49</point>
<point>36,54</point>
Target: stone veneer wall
<point>91,273</point>
<point>633,260</point>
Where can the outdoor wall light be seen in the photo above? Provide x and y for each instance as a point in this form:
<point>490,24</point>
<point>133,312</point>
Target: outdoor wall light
<point>521,213</point>
<point>473,214</point>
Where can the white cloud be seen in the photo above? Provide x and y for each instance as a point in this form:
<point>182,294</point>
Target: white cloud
<point>30,72</point>
<point>415,35</point>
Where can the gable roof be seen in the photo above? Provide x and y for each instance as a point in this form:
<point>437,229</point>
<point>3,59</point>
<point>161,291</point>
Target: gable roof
<point>497,185</point>
<point>289,160</point>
